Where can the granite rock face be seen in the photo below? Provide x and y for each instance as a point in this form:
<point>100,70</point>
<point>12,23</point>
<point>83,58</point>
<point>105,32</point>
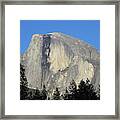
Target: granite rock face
<point>55,59</point>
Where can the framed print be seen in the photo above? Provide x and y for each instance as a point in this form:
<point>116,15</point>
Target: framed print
<point>59,59</point>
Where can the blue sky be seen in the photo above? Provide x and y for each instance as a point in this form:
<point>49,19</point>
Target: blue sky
<point>87,30</point>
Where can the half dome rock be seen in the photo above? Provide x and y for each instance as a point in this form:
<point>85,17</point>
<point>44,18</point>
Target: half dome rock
<point>55,59</point>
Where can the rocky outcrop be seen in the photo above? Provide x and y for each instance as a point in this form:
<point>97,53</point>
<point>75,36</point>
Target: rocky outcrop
<point>55,59</point>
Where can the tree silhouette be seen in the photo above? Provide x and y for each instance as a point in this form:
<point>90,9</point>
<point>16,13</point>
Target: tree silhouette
<point>37,94</point>
<point>86,91</point>
<point>66,95</point>
<point>30,94</point>
<point>44,93</point>
<point>72,90</point>
<point>23,84</point>
<point>56,94</point>
<point>98,92</point>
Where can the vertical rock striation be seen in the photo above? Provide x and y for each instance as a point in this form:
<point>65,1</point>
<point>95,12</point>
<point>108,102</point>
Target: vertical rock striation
<point>45,64</point>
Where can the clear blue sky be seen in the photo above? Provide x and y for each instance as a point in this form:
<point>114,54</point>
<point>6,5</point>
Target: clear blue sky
<point>87,30</point>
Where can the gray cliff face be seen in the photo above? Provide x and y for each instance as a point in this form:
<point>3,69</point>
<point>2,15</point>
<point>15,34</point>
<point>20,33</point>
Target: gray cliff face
<point>55,59</point>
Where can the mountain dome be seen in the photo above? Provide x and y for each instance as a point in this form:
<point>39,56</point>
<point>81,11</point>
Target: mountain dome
<point>55,59</point>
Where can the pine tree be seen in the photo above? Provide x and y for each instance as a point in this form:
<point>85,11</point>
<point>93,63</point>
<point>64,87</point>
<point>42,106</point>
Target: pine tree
<point>66,95</point>
<point>98,92</point>
<point>23,84</point>
<point>44,93</point>
<point>56,94</point>
<point>37,94</point>
<point>30,94</point>
<point>86,91</point>
<point>72,90</point>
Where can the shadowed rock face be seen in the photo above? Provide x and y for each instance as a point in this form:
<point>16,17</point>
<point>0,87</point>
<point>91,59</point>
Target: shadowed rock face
<point>55,59</point>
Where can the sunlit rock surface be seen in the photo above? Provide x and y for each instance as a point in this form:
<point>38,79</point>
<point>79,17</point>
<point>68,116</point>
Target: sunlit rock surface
<point>55,59</point>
